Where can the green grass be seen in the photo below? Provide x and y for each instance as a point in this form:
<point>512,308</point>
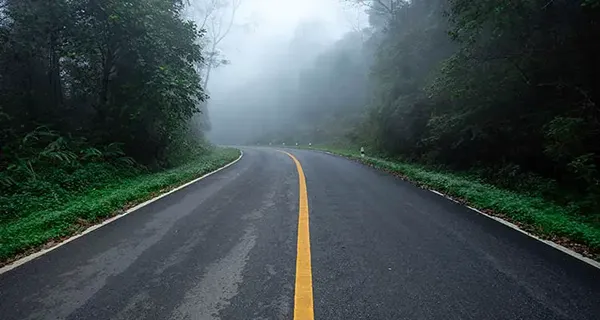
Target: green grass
<point>36,224</point>
<point>535,214</point>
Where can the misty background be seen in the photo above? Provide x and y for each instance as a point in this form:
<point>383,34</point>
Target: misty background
<point>286,56</point>
<point>503,91</point>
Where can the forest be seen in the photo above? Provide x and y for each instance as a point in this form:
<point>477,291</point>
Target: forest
<point>91,79</point>
<point>492,102</point>
<point>504,91</point>
<point>100,106</point>
<point>500,87</point>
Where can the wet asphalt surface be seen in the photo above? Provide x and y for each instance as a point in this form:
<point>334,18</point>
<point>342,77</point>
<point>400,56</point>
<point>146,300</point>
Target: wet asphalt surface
<point>225,248</point>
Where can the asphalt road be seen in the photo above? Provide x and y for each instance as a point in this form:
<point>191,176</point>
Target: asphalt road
<point>225,248</point>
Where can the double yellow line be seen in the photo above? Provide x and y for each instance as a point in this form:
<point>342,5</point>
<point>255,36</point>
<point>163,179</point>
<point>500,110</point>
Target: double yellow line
<point>303,294</point>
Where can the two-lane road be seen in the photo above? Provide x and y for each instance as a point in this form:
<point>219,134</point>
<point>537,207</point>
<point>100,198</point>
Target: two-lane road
<point>227,247</point>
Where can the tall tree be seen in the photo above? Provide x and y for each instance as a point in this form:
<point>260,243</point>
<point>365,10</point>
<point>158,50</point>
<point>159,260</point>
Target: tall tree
<point>216,19</point>
<point>109,71</point>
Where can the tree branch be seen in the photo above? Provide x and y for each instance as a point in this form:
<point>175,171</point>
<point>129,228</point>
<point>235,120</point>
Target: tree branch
<point>235,5</point>
<point>372,4</point>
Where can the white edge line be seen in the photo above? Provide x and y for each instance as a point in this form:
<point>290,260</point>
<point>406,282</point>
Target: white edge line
<point>35,255</point>
<point>438,193</point>
<point>511,225</point>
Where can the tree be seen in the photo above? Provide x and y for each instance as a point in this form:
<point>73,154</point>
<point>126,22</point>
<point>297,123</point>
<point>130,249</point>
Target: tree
<point>486,84</point>
<point>109,71</point>
<point>217,18</point>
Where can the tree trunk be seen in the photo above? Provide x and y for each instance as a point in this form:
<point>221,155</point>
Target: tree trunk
<point>54,74</point>
<point>105,78</point>
<point>208,70</point>
<point>210,65</point>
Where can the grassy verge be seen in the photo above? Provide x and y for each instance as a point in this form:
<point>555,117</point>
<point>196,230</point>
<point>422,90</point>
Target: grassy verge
<point>534,214</point>
<point>34,229</point>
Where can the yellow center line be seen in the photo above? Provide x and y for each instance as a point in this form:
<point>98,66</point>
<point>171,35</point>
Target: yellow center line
<point>303,294</point>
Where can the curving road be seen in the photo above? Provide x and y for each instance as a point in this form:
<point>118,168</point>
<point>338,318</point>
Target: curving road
<point>226,248</point>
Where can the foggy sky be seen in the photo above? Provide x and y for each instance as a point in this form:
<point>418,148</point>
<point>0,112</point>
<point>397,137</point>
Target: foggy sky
<point>262,53</point>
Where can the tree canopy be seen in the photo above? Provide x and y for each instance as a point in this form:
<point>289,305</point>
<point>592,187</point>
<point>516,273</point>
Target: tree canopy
<point>507,86</point>
<point>77,73</point>
<point>504,88</point>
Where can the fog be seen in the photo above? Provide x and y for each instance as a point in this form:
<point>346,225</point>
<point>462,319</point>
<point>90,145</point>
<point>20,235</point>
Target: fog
<point>271,43</point>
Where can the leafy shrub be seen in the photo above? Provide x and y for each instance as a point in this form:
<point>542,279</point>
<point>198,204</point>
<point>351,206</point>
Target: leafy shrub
<point>44,210</point>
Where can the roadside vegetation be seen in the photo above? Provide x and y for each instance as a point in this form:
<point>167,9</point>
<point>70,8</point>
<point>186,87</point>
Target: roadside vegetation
<point>499,93</point>
<point>100,108</point>
<point>59,204</point>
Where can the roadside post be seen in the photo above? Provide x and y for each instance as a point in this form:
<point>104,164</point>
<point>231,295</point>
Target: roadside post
<point>362,152</point>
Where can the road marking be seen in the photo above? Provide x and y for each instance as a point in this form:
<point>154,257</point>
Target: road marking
<point>303,293</point>
<point>35,255</point>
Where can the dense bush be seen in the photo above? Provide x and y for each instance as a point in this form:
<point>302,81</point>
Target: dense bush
<point>61,205</point>
<point>92,92</point>
<point>95,73</point>
<point>504,90</point>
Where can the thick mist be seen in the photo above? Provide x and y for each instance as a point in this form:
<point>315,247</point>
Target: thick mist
<point>275,51</point>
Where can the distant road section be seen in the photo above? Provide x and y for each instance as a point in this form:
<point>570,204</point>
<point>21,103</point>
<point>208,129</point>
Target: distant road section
<point>226,248</point>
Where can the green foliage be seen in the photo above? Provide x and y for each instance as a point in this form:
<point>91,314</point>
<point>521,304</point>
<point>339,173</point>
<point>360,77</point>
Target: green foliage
<point>504,89</point>
<point>109,71</point>
<point>505,92</point>
<point>92,93</point>
<point>64,203</point>
<point>411,47</point>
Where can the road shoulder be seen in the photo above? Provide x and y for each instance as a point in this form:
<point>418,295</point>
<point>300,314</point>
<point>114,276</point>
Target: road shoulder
<point>52,243</point>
